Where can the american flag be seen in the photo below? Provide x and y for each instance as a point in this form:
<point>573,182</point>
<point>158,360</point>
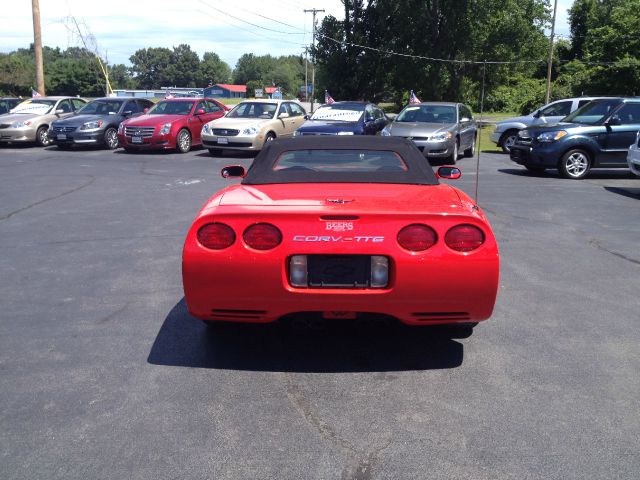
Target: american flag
<point>35,93</point>
<point>328,99</point>
<point>413,98</point>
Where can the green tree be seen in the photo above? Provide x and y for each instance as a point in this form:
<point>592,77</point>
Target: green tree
<point>213,70</point>
<point>151,67</point>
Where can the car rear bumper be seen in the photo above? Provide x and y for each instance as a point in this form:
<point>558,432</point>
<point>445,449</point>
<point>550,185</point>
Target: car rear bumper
<point>257,289</point>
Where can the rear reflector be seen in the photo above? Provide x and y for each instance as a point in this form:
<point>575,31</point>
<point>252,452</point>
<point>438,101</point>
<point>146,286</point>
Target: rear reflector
<point>216,236</point>
<point>262,236</point>
<point>298,271</point>
<point>464,238</point>
<point>417,237</point>
<point>379,271</point>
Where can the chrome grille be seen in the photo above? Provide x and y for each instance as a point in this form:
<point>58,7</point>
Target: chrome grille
<point>225,132</point>
<point>144,132</point>
<point>63,129</point>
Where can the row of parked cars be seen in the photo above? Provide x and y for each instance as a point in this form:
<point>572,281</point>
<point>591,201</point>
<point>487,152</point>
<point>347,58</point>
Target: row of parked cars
<point>440,130</point>
<point>575,135</point>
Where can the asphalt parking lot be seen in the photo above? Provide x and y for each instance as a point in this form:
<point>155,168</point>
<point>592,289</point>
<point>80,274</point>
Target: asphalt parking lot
<point>105,376</point>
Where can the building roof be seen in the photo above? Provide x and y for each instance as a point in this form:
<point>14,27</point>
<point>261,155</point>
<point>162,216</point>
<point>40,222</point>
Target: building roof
<point>233,88</point>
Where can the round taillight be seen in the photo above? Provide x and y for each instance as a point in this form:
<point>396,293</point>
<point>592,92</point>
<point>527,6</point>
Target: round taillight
<point>464,238</point>
<point>216,236</point>
<point>262,236</point>
<point>417,237</point>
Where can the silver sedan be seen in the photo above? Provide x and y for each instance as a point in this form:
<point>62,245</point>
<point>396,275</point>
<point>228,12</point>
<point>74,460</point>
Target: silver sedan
<point>440,130</point>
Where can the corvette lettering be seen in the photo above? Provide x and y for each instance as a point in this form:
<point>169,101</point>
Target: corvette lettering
<point>337,239</point>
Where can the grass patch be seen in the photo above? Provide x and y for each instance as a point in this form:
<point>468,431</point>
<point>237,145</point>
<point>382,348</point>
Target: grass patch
<point>486,145</point>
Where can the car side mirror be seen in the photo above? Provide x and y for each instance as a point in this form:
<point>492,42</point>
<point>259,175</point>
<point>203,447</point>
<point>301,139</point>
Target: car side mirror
<point>538,114</point>
<point>283,115</point>
<point>369,119</point>
<point>200,111</point>
<point>233,171</point>
<point>127,113</point>
<point>451,173</point>
<point>59,111</point>
<point>465,119</point>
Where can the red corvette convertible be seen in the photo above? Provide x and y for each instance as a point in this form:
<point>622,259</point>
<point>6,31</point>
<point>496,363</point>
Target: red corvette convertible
<point>341,228</point>
<point>171,124</point>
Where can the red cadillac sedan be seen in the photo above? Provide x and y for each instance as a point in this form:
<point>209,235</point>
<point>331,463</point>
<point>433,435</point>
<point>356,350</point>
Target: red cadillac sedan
<point>173,123</point>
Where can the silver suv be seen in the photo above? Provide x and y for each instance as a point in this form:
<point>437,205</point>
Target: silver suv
<point>506,131</point>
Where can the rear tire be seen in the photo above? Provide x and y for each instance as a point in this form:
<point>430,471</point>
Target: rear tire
<point>183,141</point>
<point>471,151</point>
<point>269,138</point>
<point>575,164</point>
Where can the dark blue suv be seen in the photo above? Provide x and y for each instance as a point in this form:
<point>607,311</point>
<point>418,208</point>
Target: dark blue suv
<point>597,135</point>
<point>344,118</point>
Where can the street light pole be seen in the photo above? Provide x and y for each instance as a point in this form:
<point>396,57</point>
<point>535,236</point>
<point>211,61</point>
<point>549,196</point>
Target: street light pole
<point>37,46</point>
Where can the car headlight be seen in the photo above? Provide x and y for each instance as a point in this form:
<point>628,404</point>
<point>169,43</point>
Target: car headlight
<point>206,129</point>
<point>548,137</point>
<point>252,130</point>
<point>385,132</point>
<point>26,123</point>
<point>345,133</point>
<point>165,129</point>
<point>91,125</point>
<point>296,133</point>
<point>121,128</point>
<point>440,137</point>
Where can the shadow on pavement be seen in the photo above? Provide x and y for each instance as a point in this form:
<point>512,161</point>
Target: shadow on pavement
<point>340,347</point>
<point>551,173</point>
<point>625,192</point>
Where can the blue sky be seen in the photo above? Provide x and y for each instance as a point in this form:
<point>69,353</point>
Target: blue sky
<point>121,27</point>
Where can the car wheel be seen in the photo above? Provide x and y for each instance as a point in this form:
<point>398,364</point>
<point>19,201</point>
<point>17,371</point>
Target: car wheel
<point>454,155</point>
<point>534,168</point>
<point>507,140</point>
<point>575,164</point>
<point>111,138</point>
<point>42,137</point>
<point>215,152</point>
<point>471,151</point>
<point>269,138</point>
<point>183,141</point>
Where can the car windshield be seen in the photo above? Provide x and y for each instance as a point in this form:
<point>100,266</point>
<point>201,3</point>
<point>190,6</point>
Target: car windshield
<point>101,107</point>
<point>171,108</point>
<point>349,112</point>
<point>593,112</point>
<point>253,110</point>
<point>428,114</point>
<point>339,161</point>
<point>38,106</point>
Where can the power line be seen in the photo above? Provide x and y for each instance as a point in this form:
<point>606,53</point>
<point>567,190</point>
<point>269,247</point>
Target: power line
<point>245,21</point>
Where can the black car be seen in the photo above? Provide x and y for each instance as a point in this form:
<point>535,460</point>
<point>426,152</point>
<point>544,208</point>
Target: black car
<point>7,103</point>
<point>344,118</point>
<point>97,122</point>
<point>597,135</point>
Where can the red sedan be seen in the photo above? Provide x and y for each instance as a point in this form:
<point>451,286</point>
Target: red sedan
<point>341,228</point>
<point>171,124</point>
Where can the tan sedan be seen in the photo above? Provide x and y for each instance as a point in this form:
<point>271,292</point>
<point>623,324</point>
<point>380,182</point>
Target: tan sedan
<point>251,124</point>
<point>30,120</point>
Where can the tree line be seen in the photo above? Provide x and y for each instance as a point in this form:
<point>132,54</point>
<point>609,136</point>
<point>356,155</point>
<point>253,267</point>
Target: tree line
<point>380,50</point>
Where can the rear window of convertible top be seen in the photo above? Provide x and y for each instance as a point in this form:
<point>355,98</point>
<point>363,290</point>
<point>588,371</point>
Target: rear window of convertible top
<point>339,161</point>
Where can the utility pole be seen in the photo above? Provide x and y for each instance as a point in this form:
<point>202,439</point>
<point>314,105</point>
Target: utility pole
<point>306,69</point>
<point>37,46</point>
<point>313,65</point>
<point>549,64</point>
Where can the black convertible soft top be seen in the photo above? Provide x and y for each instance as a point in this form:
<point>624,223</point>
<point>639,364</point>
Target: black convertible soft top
<point>263,171</point>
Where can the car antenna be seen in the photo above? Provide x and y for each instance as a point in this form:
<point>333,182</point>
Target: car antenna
<point>484,69</point>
